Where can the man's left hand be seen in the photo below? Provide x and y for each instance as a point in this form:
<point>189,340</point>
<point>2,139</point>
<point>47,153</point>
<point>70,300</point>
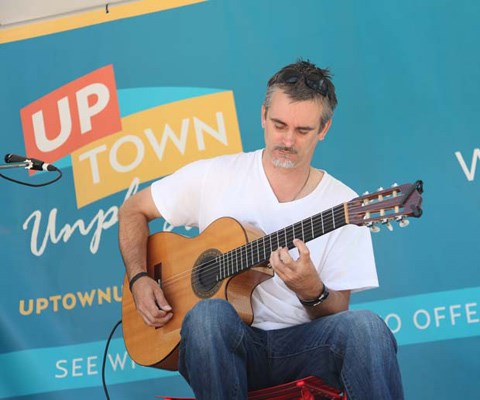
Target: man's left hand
<point>299,275</point>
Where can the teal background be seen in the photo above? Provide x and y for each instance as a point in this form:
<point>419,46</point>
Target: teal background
<point>408,81</point>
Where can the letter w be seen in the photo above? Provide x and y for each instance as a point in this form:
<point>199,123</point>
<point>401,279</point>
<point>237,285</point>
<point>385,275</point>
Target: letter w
<point>469,173</point>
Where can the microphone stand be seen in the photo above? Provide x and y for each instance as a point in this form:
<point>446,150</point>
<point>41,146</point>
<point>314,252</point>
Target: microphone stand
<point>26,165</point>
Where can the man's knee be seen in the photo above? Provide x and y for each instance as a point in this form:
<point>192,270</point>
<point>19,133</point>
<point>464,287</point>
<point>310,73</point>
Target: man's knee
<point>212,322</point>
<point>209,318</point>
<point>367,327</point>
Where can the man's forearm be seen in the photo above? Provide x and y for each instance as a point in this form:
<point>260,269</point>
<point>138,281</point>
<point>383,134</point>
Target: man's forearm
<point>133,232</point>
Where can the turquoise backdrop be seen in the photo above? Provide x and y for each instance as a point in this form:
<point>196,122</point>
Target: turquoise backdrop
<point>408,81</point>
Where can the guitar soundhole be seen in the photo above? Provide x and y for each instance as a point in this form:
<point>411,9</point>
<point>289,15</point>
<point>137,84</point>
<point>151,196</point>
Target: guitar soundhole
<point>204,275</point>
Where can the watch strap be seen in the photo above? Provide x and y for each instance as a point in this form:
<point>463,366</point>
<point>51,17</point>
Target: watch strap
<point>319,300</point>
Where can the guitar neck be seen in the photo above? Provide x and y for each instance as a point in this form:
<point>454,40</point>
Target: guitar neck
<point>258,251</point>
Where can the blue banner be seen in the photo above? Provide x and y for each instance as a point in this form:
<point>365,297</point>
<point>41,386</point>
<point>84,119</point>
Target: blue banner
<point>118,100</point>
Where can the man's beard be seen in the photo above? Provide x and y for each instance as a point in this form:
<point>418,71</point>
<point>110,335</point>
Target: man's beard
<point>283,162</point>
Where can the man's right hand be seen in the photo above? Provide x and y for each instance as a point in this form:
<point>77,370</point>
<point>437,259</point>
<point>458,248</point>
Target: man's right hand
<point>151,303</point>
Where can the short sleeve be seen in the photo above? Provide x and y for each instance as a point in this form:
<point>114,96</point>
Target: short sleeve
<point>348,262</point>
<point>178,197</point>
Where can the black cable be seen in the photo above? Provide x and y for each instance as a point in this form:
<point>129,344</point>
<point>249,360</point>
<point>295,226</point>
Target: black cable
<point>34,184</point>
<point>105,358</point>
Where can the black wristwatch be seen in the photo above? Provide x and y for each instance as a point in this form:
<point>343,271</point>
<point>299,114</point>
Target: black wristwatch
<point>319,300</point>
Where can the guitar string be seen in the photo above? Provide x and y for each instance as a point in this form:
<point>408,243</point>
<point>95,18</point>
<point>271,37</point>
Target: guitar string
<point>246,253</point>
<point>238,265</point>
<point>209,271</point>
<point>233,257</point>
<point>211,267</point>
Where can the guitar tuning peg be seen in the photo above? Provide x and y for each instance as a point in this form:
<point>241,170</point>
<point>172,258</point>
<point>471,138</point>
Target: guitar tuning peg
<point>403,223</point>
<point>387,223</point>
<point>395,185</point>
<point>374,229</point>
<point>380,189</point>
<point>365,193</point>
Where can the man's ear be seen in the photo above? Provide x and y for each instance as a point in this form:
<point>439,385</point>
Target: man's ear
<point>263,116</point>
<point>323,133</point>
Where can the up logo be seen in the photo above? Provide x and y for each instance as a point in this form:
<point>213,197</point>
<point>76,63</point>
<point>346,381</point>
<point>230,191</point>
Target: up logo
<point>72,116</point>
<point>82,120</point>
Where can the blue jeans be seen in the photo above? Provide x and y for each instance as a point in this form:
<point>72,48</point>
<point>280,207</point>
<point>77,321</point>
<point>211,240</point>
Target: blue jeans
<point>223,358</point>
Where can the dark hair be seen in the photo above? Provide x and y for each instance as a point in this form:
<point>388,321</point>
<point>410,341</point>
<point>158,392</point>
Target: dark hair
<point>315,85</point>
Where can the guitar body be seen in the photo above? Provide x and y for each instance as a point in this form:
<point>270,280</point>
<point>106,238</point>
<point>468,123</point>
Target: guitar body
<point>227,261</point>
<point>173,259</point>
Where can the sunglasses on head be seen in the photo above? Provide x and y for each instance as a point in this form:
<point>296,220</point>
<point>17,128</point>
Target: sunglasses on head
<point>314,81</point>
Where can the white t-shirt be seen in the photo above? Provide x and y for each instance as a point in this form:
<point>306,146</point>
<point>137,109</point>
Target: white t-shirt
<point>236,186</point>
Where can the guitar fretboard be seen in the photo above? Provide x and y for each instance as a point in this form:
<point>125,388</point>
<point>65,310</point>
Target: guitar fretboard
<point>258,251</point>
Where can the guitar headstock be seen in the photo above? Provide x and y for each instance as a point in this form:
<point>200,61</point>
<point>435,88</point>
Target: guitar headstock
<point>393,204</point>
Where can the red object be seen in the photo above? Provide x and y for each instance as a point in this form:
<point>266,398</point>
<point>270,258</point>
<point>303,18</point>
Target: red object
<point>310,388</point>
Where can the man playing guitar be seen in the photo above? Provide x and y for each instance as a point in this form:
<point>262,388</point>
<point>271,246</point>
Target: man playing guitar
<point>302,325</point>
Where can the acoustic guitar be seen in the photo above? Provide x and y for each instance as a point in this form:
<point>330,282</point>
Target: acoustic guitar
<point>227,261</point>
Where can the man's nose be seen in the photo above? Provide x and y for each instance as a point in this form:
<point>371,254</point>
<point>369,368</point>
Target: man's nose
<point>288,138</point>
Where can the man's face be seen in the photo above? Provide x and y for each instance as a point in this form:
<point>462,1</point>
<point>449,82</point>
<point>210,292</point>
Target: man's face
<point>292,130</point>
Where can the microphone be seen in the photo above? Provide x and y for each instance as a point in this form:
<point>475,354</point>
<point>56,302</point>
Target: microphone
<point>33,163</point>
